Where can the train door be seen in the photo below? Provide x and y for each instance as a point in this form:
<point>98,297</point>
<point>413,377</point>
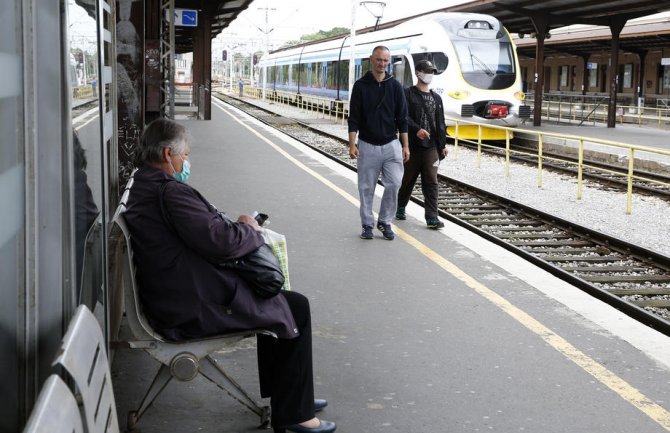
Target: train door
<point>401,70</point>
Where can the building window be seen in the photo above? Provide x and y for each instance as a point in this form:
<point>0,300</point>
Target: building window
<point>628,76</point>
<point>564,76</point>
<point>593,75</point>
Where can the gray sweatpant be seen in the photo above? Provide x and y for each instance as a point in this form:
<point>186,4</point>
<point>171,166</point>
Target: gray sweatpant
<point>373,160</point>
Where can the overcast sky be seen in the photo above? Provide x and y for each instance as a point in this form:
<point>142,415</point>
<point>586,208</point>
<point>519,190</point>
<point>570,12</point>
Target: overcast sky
<point>290,19</point>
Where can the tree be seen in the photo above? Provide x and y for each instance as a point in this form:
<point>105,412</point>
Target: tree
<point>321,34</point>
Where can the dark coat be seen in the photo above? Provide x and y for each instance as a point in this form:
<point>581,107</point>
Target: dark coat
<point>184,292</point>
<point>378,110</point>
<point>415,112</point>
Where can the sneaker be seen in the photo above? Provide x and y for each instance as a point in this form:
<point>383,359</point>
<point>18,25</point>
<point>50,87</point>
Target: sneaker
<point>434,223</point>
<point>367,232</point>
<point>386,231</point>
<point>400,214</point>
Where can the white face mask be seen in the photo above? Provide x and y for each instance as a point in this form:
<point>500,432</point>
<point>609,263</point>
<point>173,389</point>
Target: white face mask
<point>426,78</point>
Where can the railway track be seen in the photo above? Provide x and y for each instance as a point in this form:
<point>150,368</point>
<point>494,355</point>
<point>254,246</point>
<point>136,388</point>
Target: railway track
<point>633,279</point>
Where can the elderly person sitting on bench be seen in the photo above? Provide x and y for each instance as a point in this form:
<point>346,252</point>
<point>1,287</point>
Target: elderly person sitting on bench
<point>186,295</point>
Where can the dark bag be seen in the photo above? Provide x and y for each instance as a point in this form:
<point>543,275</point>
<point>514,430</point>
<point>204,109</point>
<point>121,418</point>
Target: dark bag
<point>260,268</point>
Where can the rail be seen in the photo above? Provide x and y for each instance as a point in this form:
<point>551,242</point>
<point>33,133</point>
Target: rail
<point>629,158</point>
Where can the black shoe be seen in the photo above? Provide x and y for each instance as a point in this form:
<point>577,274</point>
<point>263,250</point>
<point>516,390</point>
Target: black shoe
<point>434,223</point>
<point>386,230</point>
<point>324,427</point>
<point>367,233</point>
<point>400,214</point>
<point>320,404</point>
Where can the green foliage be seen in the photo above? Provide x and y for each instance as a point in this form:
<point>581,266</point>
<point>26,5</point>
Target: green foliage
<point>321,34</point>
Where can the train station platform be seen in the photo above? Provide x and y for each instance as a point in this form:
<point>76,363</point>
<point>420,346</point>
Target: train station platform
<point>436,331</point>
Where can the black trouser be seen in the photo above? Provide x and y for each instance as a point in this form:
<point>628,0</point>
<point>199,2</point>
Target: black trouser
<point>285,368</point>
<point>421,161</point>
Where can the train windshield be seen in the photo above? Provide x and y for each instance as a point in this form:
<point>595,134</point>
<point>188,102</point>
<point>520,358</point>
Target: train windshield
<point>486,64</point>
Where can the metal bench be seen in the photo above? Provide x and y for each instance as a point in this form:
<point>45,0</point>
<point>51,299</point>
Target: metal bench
<point>181,360</point>
<point>56,410</point>
<point>83,356</point>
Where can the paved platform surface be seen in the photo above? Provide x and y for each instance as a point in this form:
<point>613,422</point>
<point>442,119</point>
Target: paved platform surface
<point>432,332</point>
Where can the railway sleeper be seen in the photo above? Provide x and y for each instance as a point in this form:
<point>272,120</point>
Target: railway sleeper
<point>657,303</point>
<point>495,219</point>
<point>515,228</point>
<point>521,224</point>
<point>547,243</point>
<point>465,210</point>
<point>596,258</point>
<point>596,269</point>
<point>538,236</point>
<point>611,279</point>
<point>644,291</point>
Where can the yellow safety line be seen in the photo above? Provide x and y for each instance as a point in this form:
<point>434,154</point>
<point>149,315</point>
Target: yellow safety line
<point>625,390</point>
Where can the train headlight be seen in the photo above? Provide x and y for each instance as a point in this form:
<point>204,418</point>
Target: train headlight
<point>520,96</point>
<point>459,94</point>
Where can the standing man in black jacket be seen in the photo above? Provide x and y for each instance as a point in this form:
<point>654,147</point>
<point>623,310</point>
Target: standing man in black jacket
<point>427,140</point>
<point>378,112</point>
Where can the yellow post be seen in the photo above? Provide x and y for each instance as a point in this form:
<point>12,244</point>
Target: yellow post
<point>629,194</point>
<point>579,169</point>
<point>539,160</point>
<point>506,152</point>
<point>479,145</point>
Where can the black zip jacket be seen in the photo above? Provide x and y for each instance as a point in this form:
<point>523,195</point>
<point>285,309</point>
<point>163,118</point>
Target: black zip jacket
<point>378,110</point>
<point>415,112</point>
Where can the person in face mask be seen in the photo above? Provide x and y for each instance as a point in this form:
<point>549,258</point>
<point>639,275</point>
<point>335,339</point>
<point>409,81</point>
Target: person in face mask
<point>186,294</point>
<point>427,140</point>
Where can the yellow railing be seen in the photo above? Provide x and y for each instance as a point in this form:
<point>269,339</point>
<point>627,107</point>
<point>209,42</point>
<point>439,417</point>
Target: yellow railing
<point>567,111</point>
<point>630,150</point>
<point>316,106</point>
<point>82,92</point>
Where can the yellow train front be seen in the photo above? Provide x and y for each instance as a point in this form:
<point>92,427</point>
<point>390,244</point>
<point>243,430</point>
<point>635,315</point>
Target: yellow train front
<point>481,82</point>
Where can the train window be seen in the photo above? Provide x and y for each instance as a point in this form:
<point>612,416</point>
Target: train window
<point>283,75</point>
<point>344,75</point>
<point>304,79</point>
<point>365,66</point>
<point>330,75</point>
<point>484,66</point>
<point>439,59</point>
<point>294,75</point>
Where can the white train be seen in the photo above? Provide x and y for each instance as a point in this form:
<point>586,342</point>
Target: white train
<point>478,70</point>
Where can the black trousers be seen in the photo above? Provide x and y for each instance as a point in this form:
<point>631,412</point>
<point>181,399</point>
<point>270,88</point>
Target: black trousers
<point>421,161</point>
<point>285,368</point>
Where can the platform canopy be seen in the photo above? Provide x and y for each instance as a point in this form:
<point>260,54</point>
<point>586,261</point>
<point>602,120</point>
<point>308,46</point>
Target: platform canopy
<point>637,37</point>
<point>222,13</point>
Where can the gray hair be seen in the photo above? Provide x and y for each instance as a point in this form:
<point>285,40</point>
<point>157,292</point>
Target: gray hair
<point>380,48</point>
<point>159,134</point>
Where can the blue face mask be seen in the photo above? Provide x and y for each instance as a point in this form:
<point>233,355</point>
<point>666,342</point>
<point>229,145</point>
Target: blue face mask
<point>185,172</point>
